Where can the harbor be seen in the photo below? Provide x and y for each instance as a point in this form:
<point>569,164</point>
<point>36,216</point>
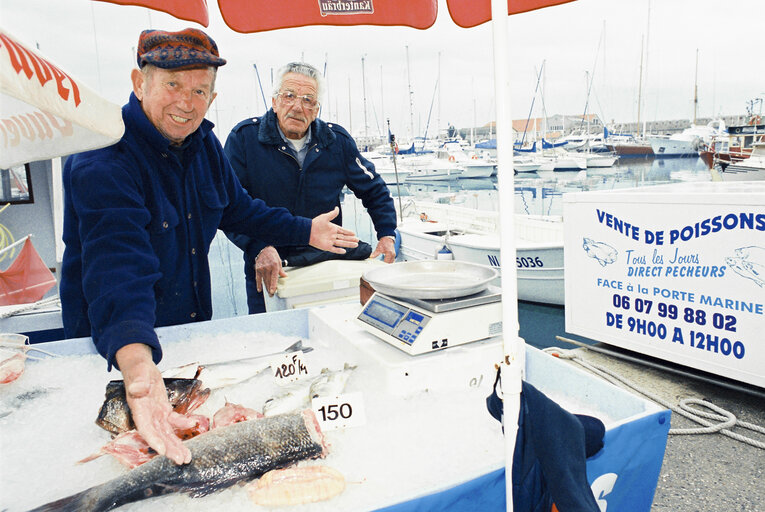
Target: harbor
<point>563,309</point>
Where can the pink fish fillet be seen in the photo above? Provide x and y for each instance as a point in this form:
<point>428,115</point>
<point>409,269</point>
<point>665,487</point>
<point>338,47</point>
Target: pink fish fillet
<point>233,413</point>
<point>129,448</point>
<point>296,485</point>
<point>12,368</point>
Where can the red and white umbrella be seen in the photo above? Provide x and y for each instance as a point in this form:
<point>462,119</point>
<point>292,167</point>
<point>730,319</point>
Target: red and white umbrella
<point>45,112</point>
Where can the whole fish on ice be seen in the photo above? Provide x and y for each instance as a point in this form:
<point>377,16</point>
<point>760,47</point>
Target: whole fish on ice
<point>600,251</point>
<point>749,262</point>
<point>298,395</point>
<point>228,373</point>
<point>185,395</point>
<point>219,459</point>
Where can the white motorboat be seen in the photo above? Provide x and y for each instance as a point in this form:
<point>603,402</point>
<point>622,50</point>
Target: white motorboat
<point>385,167</point>
<point>472,165</point>
<point>473,236</point>
<point>686,143</point>
<point>600,159</point>
<point>435,171</point>
<point>560,160</point>
<point>749,169</point>
<point>526,164</point>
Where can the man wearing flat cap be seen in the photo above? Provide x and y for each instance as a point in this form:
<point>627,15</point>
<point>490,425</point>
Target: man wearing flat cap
<point>139,218</point>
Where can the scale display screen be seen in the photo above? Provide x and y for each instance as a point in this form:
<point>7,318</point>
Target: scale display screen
<point>384,314</point>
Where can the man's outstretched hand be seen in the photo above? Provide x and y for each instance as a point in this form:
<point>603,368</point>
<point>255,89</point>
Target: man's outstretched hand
<point>330,237</point>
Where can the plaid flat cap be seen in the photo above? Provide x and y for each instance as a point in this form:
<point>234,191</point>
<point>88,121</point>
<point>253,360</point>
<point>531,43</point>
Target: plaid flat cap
<point>187,49</point>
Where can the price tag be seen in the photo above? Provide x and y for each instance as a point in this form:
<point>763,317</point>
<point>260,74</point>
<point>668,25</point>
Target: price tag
<point>289,367</point>
<point>339,411</point>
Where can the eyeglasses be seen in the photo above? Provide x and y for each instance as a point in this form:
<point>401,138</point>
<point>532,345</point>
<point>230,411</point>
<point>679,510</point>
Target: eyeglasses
<point>306,100</point>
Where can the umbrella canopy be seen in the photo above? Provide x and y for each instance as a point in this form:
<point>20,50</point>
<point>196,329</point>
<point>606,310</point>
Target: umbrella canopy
<point>261,15</point>
<point>44,112</point>
<point>189,10</point>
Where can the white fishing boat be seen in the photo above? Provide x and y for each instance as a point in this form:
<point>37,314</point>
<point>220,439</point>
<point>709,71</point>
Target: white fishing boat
<point>473,236</point>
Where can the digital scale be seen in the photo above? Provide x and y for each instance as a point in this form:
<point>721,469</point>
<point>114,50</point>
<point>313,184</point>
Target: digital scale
<point>419,326</point>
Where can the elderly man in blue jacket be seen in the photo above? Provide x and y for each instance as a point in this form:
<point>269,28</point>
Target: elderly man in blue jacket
<point>139,218</point>
<point>289,158</point>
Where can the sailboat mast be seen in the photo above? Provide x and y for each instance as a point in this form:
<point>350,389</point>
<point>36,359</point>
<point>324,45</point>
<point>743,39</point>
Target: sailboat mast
<point>411,99</point>
<point>364,95</point>
<point>350,110</point>
<point>696,88</point>
<point>640,88</point>
<point>382,98</point>
<point>438,117</point>
<point>647,39</point>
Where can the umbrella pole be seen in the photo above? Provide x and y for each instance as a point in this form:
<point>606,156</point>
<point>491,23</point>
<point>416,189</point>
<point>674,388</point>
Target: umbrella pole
<point>513,360</point>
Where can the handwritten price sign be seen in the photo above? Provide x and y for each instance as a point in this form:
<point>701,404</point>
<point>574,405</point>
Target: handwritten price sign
<point>289,368</point>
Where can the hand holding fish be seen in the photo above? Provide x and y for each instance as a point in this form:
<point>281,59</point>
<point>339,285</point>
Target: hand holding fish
<point>268,270</point>
<point>147,398</point>
<point>330,237</point>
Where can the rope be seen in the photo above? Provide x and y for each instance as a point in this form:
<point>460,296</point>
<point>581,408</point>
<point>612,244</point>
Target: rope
<point>15,310</point>
<point>727,419</point>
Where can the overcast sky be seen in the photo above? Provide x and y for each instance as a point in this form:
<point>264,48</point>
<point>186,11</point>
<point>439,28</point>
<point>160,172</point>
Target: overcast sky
<point>95,42</point>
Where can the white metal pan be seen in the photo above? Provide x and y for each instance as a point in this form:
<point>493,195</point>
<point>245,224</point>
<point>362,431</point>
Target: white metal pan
<point>430,279</point>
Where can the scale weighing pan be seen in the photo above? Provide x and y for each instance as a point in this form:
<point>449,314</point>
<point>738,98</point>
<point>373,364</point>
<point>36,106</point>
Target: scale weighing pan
<point>431,279</point>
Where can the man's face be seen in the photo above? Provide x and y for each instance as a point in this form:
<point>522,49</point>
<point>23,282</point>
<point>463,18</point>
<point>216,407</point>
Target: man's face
<point>175,101</point>
<point>295,116</point>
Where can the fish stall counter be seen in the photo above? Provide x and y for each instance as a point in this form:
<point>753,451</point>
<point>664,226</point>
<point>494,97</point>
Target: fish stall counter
<point>420,436</point>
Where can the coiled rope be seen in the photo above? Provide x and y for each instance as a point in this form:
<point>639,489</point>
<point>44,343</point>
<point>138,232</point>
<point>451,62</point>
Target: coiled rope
<point>725,418</point>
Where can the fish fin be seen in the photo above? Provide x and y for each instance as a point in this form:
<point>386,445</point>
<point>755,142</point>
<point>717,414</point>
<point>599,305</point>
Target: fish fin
<point>72,503</point>
<point>198,489</point>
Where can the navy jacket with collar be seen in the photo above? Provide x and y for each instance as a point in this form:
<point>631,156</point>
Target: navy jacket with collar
<point>138,224</point>
<point>268,170</point>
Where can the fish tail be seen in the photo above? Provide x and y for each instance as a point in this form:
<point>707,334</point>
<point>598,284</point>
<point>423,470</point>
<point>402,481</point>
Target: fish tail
<point>106,496</point>
<point>80,501</point>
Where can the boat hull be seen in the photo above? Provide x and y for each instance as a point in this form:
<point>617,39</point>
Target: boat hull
<point>539,252</point>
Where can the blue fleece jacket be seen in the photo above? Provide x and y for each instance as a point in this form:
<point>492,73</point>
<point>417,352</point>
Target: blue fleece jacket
<point>269,170</point>
<point>138,224</point>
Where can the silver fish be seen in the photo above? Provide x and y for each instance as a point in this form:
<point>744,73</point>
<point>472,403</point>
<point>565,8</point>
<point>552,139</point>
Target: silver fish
<point>228,373</point>
<point>294,397</point>
<point>298,395</point>
<point>219,459</point>
<point>331,383</point>
<point>600,251</point>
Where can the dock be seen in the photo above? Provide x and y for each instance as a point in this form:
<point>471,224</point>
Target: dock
<point>700,472</point>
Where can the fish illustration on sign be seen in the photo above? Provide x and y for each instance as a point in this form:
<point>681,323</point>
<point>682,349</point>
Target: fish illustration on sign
<point>749,262</point>
<point>601,251</point>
